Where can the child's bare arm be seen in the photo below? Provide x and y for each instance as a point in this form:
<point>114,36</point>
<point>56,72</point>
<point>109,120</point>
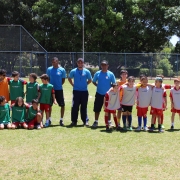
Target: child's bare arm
<point>54,99</point>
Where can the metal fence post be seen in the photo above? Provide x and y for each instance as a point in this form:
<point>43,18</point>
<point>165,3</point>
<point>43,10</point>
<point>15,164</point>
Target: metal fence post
<point>31,62</point>
<point>99,59</point>
<point>20,49</point>
<point>73,62</point>
<point>151,65</point>
<point>46,59</point>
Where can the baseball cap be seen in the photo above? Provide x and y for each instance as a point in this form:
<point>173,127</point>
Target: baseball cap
<point>80,59</point>
<point>104,62</point>
<point>158,79</point>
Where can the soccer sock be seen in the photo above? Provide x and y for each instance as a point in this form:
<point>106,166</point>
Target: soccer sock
<point>115,121</point>
<point>38,124</point>
<point>162,118</point>
<point>130,120</point>
<point>61,119</point>
<point>159,126</point>
<point>96,121</point>
<point>109,121</point>
<point>139,121</point>
<point>124,120</point>
<point>118,120</point>
<point>152,125</point>
<point>154,120</point>
<point>172,124</point>
<point>106,121</point>
<point>145,121</point>
<point>47,120</point>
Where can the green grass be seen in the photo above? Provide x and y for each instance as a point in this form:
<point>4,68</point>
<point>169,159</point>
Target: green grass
<point>84,153</point>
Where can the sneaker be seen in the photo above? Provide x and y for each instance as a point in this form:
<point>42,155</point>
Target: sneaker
<point>110,124</point>
<point>161,130</point>
<point>139,128</point>
<point>162,126</point>
<point>61,123</point>
<point>38,127</point>
<point>146,128</point>
<point>118,128</point>
<point>95,124</point>
<point>172,127</point>
<point>49,122</point>
<point>151,129</point>
<point>46,124</point>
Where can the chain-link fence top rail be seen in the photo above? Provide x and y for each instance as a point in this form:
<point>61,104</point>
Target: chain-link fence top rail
<point>20,51</point>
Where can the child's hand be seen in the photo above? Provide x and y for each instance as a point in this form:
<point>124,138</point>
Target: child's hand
<point>55,102</point>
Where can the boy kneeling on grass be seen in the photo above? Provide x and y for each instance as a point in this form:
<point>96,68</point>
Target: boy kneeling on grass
<point>34,117</point>
<point>111,104</point>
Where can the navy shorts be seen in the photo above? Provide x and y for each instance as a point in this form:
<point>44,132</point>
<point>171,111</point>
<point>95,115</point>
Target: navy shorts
<point>98,102</point>
<point>59,97</point>
<point>126,108</point>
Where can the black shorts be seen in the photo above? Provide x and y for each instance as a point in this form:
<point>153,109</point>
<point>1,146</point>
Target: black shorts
<point>98,102</point>
<point>127,108</point>
<point>59,97</point>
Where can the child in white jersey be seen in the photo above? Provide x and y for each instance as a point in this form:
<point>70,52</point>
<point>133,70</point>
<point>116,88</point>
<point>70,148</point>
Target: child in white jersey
<point>127,100</point>
<point>158,103</point>
<point>175,100</point>
<point>111,104</point>
<point>144,94</point>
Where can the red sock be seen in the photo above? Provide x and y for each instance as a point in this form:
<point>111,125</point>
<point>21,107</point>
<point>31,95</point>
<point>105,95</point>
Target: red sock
<point>162,118</point>
<point>115,120</point>
<point>106,121</point>
<point>155,120</point>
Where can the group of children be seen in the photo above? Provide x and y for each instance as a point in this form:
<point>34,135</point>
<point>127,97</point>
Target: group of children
<point>25,114</point>
<point>119,101</point>
<point>125,94</point>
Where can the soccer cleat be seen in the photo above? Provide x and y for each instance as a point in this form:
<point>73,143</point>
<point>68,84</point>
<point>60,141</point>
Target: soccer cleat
<point>161,130</point>
<point>118,128</point>
<point>95,124</point>
<point>61,123</point>
<point>146,128</point>
<point>130,128</point>
<point>73,124</point>
<point>38,127</point>
<point>151,129</point>
<point>162,126</point>
<point>110,124</point>
<point>172,127</point>
<point>108,129</point>
<point>87,124</point>
<point>139,128</point>
<point>47,124</point>
<point>125,128</point>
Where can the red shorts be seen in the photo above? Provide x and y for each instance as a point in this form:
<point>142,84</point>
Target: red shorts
<point>32,123</point>
<point>155,111</point>
<point>142,111</point>
<point>175,110</point>
<point>18,123</point>
<point>110,111</point>
<point>13,102</point>
<point>45,107</point>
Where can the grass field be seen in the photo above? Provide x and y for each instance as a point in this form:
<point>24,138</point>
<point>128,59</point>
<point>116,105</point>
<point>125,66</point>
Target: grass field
<point>84,153</point>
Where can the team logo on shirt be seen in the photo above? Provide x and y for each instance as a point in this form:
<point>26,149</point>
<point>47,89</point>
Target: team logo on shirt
<point>106,77</point>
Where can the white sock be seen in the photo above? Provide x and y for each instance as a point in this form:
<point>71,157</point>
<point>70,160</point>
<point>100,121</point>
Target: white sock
<point>172,124</point>
<point>96,120</point>
<point>47,120</point>
<point>61,119</point>
<point>109,121</point>
<point>50,118</point>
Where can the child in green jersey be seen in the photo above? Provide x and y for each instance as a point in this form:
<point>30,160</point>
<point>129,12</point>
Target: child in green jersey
<point>16,87</point>
<point>4,114</point>
<point>47,92</point>
<point>19,113</point>
<point>34,117</point>
<point>32,88</point>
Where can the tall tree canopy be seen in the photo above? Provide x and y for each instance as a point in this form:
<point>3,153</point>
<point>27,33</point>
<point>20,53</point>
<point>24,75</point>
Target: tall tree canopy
<point>110,25</point>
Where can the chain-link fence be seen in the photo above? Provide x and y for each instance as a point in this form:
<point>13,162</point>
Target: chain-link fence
<point>21,52</point>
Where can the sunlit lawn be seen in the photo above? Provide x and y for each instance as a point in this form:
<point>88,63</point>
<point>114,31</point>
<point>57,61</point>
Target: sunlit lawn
<point>85,153</point>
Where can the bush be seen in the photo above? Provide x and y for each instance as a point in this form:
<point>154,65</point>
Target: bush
<point>93,70</point>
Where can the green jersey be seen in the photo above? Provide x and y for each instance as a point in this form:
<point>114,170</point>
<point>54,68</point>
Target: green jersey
<point>31,91</point>
<point>16,89</point>
<point>18,114</point>
<point>31,114</point>
<point>5,114</point>
<point>46,92</point>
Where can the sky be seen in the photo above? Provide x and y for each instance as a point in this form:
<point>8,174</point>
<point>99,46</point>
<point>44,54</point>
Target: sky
<point>174,40</point>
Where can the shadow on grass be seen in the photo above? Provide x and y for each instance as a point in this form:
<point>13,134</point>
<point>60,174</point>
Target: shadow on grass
<point>110,131</point>
<point>76,126</point>
<point>55,125</point>
<point>154,132</point>
<point>99,127</point>
<point>172,130</point>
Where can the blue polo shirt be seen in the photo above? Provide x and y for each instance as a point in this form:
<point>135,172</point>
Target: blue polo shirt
<point>80,78</point>
<point>104,81</point>
<point>56,75</point>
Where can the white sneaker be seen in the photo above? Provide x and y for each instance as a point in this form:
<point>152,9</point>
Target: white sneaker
<point>146,128</point>
<point>139,128</point>
<point>110,124</point>
<point>38,127</point>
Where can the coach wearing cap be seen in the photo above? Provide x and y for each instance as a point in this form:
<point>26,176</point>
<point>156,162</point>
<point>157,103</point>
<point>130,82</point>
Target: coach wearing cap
<point>79,78</point>
<point>103,79</point>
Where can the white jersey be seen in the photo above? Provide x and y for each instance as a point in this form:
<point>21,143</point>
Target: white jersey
<point>176,98</point>
<point>129,94</point>
<point>144,96</point>
<point>112,100</point>
<point>157,99</point>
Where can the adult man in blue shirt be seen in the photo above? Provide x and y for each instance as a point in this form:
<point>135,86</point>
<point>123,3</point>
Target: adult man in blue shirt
<point>81,78</point>
<point>57,76</point>
<point>103,80</point>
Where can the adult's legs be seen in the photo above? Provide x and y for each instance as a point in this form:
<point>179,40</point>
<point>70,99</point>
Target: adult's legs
<point>84,101</point>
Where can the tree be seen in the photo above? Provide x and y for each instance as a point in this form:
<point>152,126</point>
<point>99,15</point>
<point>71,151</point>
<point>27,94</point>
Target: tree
<point>165,65</point>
